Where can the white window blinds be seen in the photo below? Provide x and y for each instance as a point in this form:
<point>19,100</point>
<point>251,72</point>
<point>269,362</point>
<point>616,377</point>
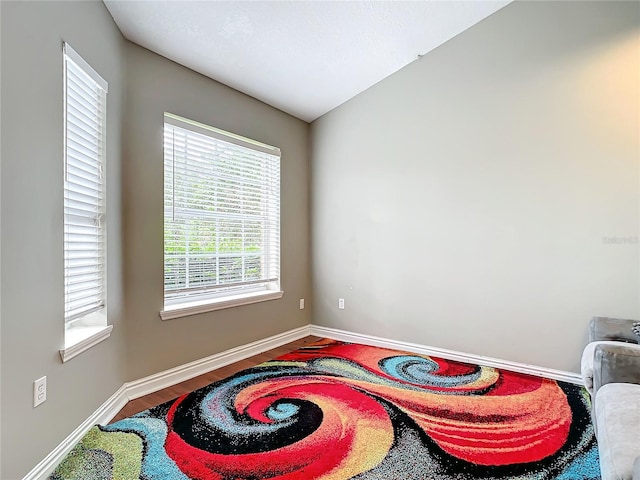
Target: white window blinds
<point>222,213</point>
<point>84,189</point>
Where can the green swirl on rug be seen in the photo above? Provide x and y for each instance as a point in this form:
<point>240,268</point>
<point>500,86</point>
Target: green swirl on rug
<point>103,456</point>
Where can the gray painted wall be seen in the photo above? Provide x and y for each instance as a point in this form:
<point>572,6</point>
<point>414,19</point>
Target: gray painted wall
<point>463,202</point>
<point>154,86</point>
<point>142,86</point>
<point>32,227</point>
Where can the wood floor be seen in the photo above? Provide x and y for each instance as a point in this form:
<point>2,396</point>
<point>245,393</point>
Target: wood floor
<point>156,398</point>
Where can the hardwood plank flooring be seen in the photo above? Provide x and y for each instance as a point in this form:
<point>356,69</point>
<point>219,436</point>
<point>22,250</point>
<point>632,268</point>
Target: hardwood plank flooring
<point>170,393</point>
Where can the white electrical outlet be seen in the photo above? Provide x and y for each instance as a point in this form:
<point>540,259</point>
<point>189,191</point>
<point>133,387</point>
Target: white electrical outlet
<point>302,304</point>
<point>39,391</point>
<point>341,303</point>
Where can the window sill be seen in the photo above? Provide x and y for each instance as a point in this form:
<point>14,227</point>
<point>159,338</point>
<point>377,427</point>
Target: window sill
<point>78,339</point>
<point>186,309</point>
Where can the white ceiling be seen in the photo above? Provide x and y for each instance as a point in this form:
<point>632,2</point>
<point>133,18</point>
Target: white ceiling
<point>302,57</point>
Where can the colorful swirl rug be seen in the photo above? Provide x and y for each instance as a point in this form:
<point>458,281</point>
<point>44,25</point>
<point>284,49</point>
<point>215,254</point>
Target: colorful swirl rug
<point>336,411</point>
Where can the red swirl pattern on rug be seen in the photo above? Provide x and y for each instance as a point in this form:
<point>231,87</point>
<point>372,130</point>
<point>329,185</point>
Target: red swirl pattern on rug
<point>480,428</point>
<point>351,425</point>
<point>476,414</point>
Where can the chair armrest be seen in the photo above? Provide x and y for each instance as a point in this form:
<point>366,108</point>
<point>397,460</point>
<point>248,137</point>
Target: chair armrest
<point>616,364</point>
<point>607,328</point>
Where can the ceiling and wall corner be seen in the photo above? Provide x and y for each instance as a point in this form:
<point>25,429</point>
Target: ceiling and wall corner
<point>302,57</point>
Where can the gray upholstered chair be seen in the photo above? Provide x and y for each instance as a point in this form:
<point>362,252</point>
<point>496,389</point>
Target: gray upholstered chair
<point>615,389</point>
<point>606,331</point>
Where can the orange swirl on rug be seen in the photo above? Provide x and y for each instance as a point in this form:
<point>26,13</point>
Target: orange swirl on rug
<point>480,429</point>
<point>470,421</point>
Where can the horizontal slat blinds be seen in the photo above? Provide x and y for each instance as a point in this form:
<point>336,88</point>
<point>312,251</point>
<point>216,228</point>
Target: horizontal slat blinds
<point>222,213</point>
<point>84,198</point>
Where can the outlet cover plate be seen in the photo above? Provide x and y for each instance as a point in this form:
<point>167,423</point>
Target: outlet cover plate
<point>39,391</point>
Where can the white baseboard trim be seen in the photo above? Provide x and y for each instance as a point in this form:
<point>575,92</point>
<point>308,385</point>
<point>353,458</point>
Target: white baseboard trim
<point>102,415</point>
<point>364,339</point>
<point>138,388</point>
<point>173,376</point>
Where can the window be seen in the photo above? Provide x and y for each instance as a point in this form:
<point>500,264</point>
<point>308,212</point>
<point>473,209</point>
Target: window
<point>221,219</point>
<point>85,94</point>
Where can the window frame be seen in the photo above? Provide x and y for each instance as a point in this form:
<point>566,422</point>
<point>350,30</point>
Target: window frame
<point>221,297</point>
<point>84,330</point>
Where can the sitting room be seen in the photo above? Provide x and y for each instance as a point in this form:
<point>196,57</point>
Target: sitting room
<point>316,239</point>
